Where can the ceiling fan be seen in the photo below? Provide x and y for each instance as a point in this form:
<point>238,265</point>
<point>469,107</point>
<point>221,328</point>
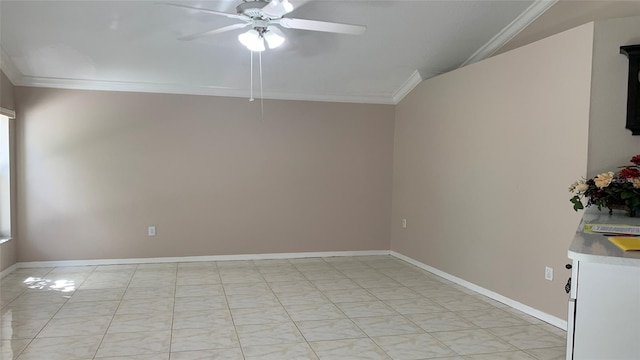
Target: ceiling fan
<point>262,16</point>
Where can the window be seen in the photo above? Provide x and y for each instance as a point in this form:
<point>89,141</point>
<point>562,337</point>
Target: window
<point>5,184</point>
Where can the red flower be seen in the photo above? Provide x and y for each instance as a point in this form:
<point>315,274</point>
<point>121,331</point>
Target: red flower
<point>629,173</point>
<point>636,159</point>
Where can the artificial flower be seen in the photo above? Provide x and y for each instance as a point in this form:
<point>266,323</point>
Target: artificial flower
<point>603,180</point>
<point>612,190</point>
<point>582,187</point>
<point>630,173</point>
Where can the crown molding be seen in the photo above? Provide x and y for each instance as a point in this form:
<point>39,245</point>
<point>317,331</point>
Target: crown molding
<point>510,31</point>
<point>407,86</point>
<point>9,68</point>
<point>11,115</point>
<point>19,79</point>
<point>61,83</point>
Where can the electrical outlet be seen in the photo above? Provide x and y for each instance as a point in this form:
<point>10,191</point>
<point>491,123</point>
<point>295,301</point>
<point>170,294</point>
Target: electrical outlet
<point>404,223</point>
<point>548,273</point>
<point>151,231</point>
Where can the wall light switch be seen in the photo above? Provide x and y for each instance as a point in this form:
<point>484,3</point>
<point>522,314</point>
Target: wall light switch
<point>548,273</point>
<point>404,223</point>
<point>151,231</point>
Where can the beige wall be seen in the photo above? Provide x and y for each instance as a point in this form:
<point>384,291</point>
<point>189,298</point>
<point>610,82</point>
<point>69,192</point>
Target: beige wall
<point>96,168</point>
<point>610,144</point>
<point>8,254</point>
<point>483,157</point>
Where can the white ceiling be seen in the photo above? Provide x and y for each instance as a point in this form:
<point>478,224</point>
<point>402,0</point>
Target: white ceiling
<point>133,46</point>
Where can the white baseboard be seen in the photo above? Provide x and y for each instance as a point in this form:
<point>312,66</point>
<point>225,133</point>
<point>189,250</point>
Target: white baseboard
<point>8,270</point>
<point>555,321</point>
<point>34,264</point>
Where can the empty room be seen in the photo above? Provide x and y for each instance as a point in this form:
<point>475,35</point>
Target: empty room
<point>328,180</point>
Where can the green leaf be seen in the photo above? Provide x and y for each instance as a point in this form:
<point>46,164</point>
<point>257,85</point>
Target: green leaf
<point>627,194</point>
<point>577,204</point>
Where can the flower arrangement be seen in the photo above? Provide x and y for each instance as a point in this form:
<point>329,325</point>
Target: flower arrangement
<point>612,190</point>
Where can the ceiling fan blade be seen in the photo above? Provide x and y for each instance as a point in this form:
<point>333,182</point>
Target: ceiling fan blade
<point>208,11</point>
<point>214,31</point>
<point>315,25</point>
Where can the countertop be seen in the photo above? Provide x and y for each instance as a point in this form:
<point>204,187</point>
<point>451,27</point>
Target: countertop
<point>598,248</point>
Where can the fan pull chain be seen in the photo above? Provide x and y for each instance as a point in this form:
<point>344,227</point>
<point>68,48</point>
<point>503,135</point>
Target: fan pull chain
<point>251,81</point>
<point>261,94</point>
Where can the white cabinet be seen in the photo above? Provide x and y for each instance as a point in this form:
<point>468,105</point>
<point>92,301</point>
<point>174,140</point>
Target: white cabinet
<point>606,325</point>
<point>604,304</point>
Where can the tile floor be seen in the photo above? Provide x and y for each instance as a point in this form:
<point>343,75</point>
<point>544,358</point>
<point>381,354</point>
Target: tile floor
<point>371,307</point>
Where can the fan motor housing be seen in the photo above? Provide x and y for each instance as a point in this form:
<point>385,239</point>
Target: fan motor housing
<point>252,8</point>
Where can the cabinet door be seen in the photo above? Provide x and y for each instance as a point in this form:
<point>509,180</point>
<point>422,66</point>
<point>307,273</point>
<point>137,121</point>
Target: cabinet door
<point>607,322</point>
<point>570,323</point>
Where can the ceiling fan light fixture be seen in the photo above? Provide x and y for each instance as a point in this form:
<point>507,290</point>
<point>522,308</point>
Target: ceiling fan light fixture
<point>252,40</point>
<point>274,37</point>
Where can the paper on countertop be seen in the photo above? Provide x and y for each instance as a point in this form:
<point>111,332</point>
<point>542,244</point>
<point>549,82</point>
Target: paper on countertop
<point>626,243</point>
<point>587,227</point>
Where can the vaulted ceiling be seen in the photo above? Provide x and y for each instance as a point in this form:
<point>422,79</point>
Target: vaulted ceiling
<point>134,46</point>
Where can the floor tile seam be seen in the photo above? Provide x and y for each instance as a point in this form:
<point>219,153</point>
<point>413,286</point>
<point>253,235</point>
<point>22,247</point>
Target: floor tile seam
<point>336,269</point>
<point>114,313</point>
<point>398,314</point>
<point>528,351</point>
<point>48,272</point>
<point>173,311</point>
<point>474,327</point>
<point>25,347</point>
<point>206,271</point>
<point>50,319</point>
<point>292,321</point>
<point>323,291</point>
<point>367,337</point>
<point>365,333</point>
<point>44,326</point>
<point>14,299</point>
<point>77,286</point>
<point>534,348</point>
<point>528,348</point>
<point>9,287</point>
<point>26,289</point>
<point>457,313</point>
<point>467,356</point>
<point>331,302</point>
<point>486,331</point>
<point>521,326</point>
<point>367,291</point>
<point>432,337</point>
<point>498,336</point>
<point>357,302</point>
<point>235,328</point>
<point>540,327</point>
